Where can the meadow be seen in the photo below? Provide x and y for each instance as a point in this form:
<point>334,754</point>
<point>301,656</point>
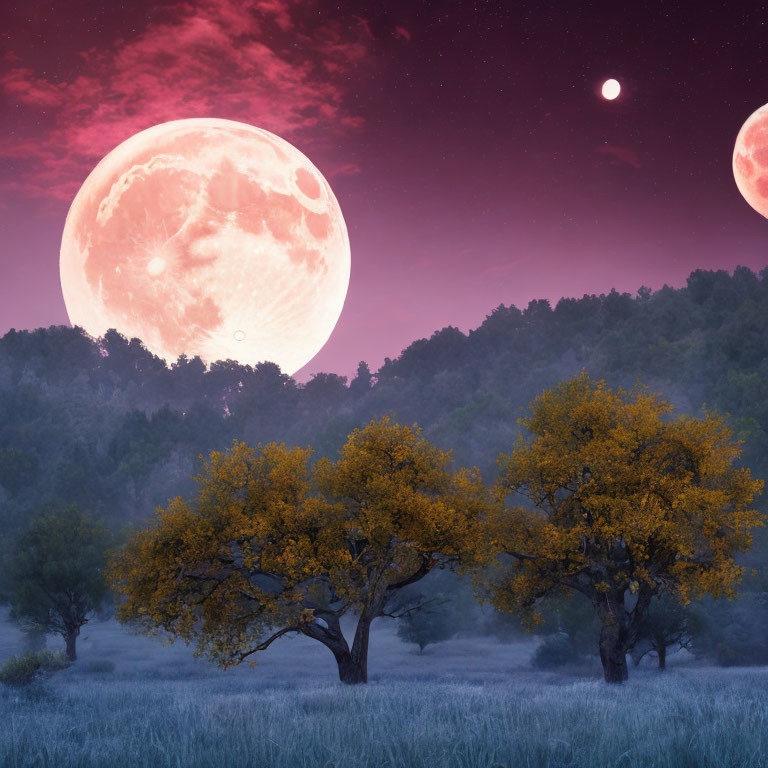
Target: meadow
<point>465,703</point>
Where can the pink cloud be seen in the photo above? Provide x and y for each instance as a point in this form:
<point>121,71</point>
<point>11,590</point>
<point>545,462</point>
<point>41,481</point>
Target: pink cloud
<point>366,26</point>
<point>348,169</point>
<point>623,155</point>
<point>258,61</point>
<point>403,33</point>
<point>20,83</point>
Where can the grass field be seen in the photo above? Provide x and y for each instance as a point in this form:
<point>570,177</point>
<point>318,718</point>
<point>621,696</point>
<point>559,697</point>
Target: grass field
<point>463,704</point>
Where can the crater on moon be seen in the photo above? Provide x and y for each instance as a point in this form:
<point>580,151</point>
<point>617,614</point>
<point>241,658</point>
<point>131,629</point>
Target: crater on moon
<point>208,237</point>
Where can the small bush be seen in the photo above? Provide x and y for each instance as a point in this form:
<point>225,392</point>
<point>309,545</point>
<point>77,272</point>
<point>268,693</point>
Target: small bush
<point>555,651</point>
<point>53,661</point>
<point>22,670</point>
<point>101,667</point>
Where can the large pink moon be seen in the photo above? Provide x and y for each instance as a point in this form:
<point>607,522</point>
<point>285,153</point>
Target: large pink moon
<point>208,237</point>
<point>750,160</point>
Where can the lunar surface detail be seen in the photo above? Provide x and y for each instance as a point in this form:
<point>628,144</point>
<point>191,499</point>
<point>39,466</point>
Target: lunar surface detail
<point>611,89</point>
<point>750,160</point>
<point>208,237</point>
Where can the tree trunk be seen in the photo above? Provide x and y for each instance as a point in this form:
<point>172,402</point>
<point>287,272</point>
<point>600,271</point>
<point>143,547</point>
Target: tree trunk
<point>662,653</point>
<point>360,644</point>
<point>352,664</point>
<point>350,671</point>
<point>613,654</point>
<point>613,637</point>
<point>70,638</point>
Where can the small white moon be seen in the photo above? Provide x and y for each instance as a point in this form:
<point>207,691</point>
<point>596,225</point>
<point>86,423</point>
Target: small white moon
<point>611,89</point>
<point>208,237</point>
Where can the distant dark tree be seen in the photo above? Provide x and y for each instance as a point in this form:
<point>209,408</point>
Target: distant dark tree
<point>265,405</point>
<point>363,381</point>
<point>583,315</point>
<point>423,623</point>
<point>55,355</point>
<point>126,359</point>
<point>55,573</point>
<point>226,378</point>
<point>644,294</point>
<point>187,378</point>
<point>324,392</point>
<point>444,350</point>
<point>664,626</point>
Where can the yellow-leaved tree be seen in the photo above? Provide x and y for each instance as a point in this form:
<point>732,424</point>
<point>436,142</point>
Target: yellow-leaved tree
<point>270,546</point>
<point>611,496</point>
<point>404,512</point>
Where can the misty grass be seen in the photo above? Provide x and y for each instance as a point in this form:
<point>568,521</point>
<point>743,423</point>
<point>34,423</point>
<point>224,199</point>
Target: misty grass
<point>691,718</point>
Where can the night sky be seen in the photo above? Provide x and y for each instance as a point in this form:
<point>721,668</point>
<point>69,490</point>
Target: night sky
<point>472,155</point>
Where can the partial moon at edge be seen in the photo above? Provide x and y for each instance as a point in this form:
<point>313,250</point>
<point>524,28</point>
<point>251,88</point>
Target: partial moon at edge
<point>750,160</point>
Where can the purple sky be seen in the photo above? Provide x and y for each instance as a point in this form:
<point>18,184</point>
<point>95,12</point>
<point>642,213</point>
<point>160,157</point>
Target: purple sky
<point>467,143</point>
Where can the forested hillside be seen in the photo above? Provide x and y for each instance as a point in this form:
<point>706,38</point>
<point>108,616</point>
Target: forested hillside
<point>106,425</point>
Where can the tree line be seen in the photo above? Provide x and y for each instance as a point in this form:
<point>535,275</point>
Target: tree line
<point>106,425</point>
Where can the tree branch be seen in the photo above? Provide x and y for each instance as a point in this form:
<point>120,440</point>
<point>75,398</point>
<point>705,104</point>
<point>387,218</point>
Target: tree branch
<point>428,563</point>
<point>405,612</point>
<point>266,643</point>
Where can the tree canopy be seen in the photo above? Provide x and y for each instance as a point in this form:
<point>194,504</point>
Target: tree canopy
<point>55,577</point>
<point>611,496</point>
<point>270,545</point>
